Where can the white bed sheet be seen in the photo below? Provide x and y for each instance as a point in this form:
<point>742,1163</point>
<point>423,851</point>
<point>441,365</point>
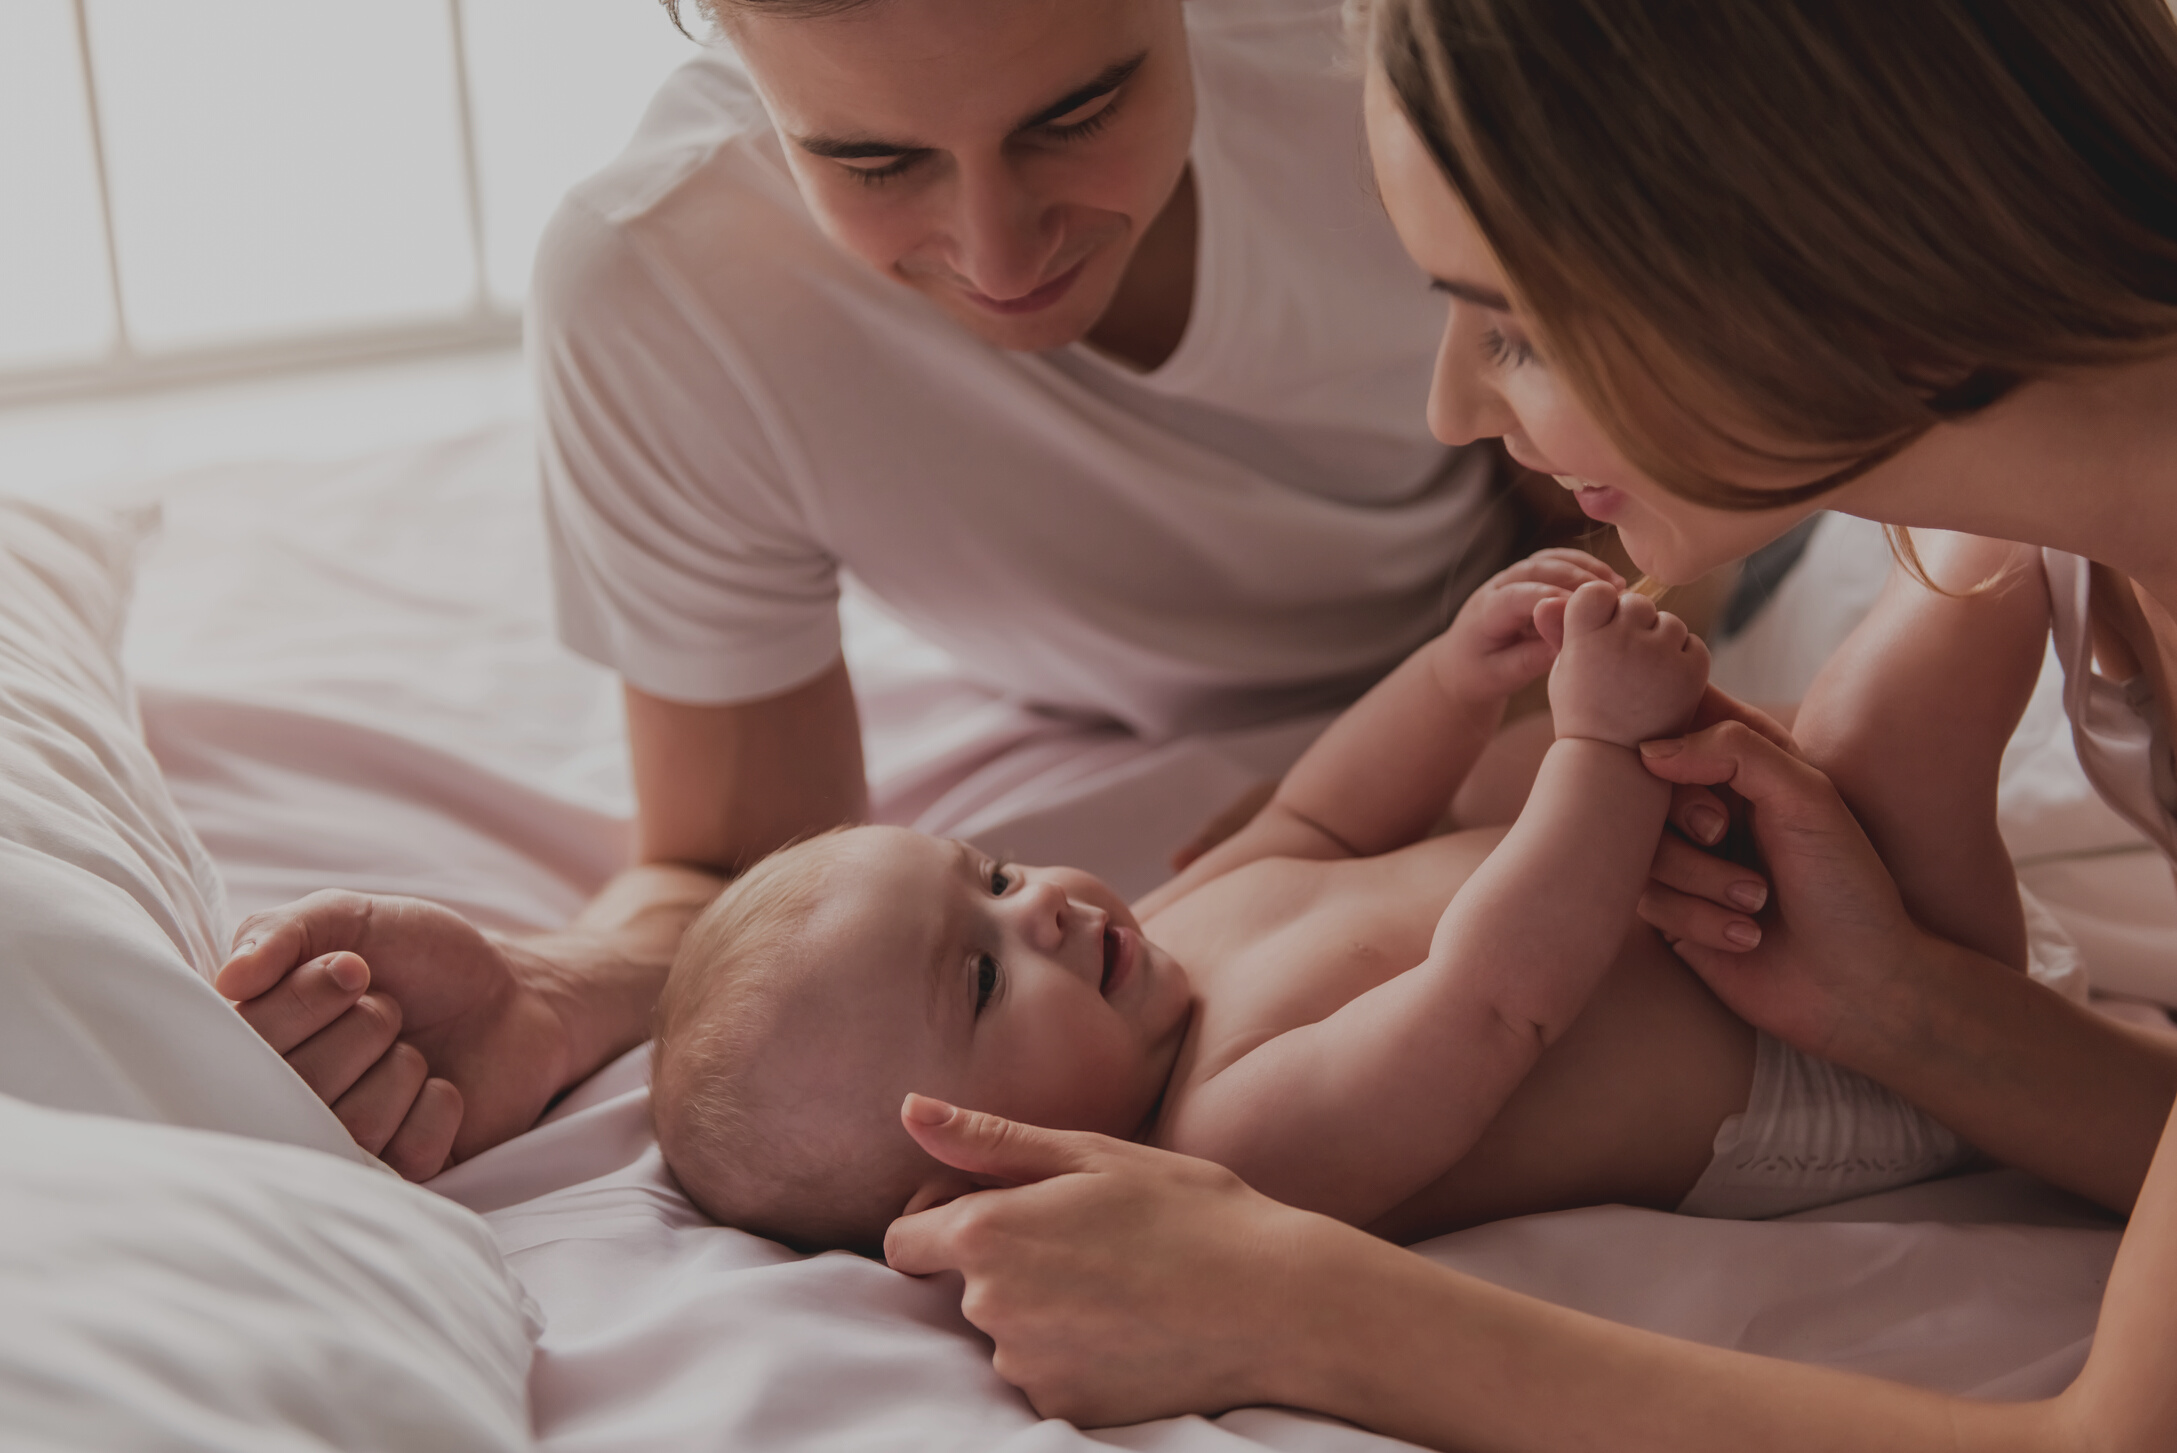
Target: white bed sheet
<point>350,679</point>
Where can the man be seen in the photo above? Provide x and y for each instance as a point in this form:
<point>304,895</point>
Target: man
<point>1070,327</point>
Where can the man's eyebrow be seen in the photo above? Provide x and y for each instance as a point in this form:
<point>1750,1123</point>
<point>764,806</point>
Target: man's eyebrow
<point>1112,77</point>
<point>1474,293</point>
<point>850,148</point>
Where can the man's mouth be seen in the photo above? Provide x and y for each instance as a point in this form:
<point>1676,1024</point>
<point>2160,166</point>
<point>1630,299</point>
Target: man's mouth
<point>1030,302</point>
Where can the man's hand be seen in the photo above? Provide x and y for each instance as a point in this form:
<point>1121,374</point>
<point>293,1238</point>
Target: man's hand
<point>459,1042</point>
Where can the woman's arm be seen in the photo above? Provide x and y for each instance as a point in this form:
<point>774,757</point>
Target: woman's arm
<point>1842,972</point>
<point>1122,1283</point>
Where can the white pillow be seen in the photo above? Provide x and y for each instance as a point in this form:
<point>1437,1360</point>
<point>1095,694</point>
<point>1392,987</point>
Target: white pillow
<point>178,1289</point>
<point>110,916</point>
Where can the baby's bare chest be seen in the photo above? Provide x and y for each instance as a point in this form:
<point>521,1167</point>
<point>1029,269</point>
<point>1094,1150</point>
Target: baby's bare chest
<point>1284,943</point>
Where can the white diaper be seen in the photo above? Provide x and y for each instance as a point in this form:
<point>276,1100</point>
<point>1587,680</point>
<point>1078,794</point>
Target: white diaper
<point>1813,1134</point>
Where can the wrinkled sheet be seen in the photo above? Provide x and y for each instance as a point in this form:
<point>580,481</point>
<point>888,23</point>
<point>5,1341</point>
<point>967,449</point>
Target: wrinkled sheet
<point>350,679</point>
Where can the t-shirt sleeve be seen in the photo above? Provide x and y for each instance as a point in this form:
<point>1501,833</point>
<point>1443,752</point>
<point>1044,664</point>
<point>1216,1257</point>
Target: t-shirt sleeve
<point>681,556</point>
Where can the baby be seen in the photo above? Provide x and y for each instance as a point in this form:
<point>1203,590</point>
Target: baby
<point>1410,1033</point>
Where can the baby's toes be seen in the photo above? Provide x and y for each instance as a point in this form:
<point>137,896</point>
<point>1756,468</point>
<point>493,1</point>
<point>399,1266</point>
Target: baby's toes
<point>1591,608</point>
<point>1637,611</point>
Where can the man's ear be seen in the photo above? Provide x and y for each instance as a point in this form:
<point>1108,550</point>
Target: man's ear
<point>940,1184</point>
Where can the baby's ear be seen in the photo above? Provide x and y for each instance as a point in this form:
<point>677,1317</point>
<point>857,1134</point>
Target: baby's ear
<point>941,1184</point>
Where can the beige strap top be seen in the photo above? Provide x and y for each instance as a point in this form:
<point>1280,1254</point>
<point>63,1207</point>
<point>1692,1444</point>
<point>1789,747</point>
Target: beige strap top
<point>2122,741</point>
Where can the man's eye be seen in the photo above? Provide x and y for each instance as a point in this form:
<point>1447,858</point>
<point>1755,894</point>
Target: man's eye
<point>986,980</point>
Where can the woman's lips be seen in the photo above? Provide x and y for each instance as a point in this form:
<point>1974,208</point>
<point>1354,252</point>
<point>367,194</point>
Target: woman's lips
<point>1122,949</point>
<point>1030,302</point>
<point>1596,501</point>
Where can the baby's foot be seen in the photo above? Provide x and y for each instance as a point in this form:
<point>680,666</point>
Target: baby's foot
<point>1628,672</point>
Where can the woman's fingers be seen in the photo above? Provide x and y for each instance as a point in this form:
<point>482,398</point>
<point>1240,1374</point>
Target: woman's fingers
<point>1681,866</point>
<point>337,1056</point>
<point>1700,814</point>
<point>993,1148</point>
<point>1719,706</point>
<point>1686,921</point>
<point>305,1001</point>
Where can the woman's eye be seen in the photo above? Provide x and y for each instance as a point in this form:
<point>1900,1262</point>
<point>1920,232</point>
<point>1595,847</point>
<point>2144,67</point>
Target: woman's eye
<point>875,176</point>
<point>1506,352</point>
<point>986,980</point>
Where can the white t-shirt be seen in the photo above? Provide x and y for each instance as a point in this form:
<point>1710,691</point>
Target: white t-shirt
<point>736,410</point>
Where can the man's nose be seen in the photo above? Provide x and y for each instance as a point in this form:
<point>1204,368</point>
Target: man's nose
<point>1003,237</point>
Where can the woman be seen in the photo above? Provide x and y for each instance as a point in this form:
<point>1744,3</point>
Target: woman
<point>1714,267</point>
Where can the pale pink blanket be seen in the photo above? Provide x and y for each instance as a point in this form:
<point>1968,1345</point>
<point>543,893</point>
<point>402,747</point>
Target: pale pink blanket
<point>350,679</point>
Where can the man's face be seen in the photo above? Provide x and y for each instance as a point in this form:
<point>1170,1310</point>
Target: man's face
<point>1001,157</point>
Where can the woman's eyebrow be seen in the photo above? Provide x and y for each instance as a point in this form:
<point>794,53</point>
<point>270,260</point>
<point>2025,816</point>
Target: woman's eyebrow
<point>1474,293</point>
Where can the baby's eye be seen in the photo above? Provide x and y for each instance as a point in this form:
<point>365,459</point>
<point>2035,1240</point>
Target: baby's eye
<point>986,980</point>
<point>1001,878</point>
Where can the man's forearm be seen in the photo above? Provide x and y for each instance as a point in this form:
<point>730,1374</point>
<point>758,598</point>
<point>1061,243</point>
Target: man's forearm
<point>602,973</point>
<point>2030,1077</point>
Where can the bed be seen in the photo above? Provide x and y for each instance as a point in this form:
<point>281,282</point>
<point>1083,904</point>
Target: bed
<point>347,676</point>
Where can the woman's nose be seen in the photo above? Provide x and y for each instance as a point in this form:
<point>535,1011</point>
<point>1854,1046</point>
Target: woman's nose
<point>1464,405</point>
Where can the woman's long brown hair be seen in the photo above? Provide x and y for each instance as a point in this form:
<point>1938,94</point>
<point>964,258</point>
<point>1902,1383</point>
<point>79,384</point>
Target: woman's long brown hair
<point>1832,223</point>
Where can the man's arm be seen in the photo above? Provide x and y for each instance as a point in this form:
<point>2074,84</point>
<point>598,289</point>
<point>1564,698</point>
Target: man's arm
<point>510,1023</point>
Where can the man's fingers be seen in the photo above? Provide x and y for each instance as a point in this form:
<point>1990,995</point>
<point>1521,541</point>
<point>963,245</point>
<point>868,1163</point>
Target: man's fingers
<point>994,1148</point>
<point>420,1148</point>
<point>338,1055</point>
<point>305,1001</point>
<point>266,947</point>
<point>374,1106</point>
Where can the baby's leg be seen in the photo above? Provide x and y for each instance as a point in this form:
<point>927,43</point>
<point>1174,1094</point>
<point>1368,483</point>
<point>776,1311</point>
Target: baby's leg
<point>1910,719</point>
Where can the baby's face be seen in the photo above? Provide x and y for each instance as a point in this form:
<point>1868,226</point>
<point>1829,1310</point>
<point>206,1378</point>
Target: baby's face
<point>1029,992</point>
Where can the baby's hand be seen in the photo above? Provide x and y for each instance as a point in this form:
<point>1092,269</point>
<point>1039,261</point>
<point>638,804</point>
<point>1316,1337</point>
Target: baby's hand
<point>1626,672</point>
<point>1493,648</point>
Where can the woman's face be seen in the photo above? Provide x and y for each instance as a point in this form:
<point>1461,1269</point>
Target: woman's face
<point>1001,157</point>
<point>1491,383</point>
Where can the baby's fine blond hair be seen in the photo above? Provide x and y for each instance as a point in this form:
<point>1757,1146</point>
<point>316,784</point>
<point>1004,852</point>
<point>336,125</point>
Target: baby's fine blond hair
<point>729,1134</point>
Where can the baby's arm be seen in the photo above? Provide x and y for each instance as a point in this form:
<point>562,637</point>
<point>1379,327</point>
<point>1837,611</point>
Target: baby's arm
<point>1383,773</point>
<point>1355,1113</point>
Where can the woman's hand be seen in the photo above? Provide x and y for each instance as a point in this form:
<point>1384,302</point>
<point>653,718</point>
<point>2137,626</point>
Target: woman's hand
<point>1120,1283</point>
<point>1828,969</point>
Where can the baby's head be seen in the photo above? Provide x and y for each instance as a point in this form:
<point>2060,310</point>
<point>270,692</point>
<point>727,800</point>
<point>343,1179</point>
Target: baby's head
<point>841,973</point>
